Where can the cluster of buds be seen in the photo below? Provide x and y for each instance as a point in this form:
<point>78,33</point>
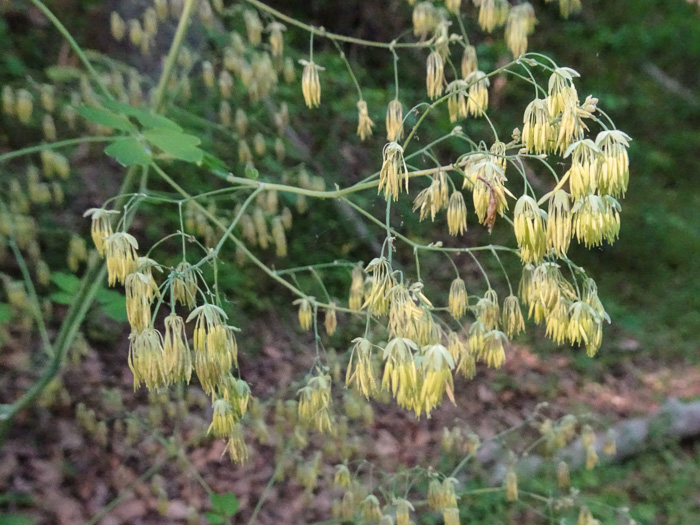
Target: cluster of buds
<point>485,174</point>
<point>315,403</point>
<point>161,359</point>
<point>521,22</point>
<point>569,317</point>
<point>421,358</point>
<point>599,174</point>
<point>266,225</point>
<point>492,13</point>
<point>434,198</point>
<point>568,7</point>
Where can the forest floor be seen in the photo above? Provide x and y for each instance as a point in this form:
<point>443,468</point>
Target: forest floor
<point>56,468</point>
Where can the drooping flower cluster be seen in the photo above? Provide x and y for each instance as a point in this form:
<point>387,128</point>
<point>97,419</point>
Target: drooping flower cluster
<point>422,353</point>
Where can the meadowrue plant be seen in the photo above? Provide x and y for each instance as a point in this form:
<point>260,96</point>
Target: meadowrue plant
<point>408,331</point>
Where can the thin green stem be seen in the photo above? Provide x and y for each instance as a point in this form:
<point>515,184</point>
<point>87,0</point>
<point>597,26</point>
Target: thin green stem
<point>317,337</point>
<point>320,282</point>
<point>556,188</point>
<point>213,254</point>
<point>347,64</point>
<point>607,117</point>
<point>239,243</point>
<point>367,323</point>
<point>171,60</point>
<point>266,491</point>
<point>428,247</point>
<point>33,297</point>
<point>162,240</point>
<point>387,223</point>
<point>333,194</point>
<point>417,259</point>
<point>182,231</point>
<point>97,518</point>
<point>334,264</point>
<point>178,451</point>
<point>464,31</point>
<point>323,33</point>
<point>53,145</point>
<point>421,119</point>
<point>449,258</point>
<point>76,48</point>
<point>500,263</point>
<point>396,73</point>
<point>540,55</point>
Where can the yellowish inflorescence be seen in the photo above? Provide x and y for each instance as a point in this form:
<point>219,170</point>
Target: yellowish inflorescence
<point>310,84</point>
<point>423,345</point>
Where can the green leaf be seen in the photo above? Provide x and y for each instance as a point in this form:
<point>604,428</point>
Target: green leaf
<point>215,165</point>
<point>175,143</point>
<point>115,311</point>
<point>63,73</point>
<point>16,519</point>
<point>113,304</point>
<point>66,281</point>
<point>151,120</point>
<point>106,118</point>
<point>16,498</point>
<point>226,504</point>
<point>14,64</point>
<point>105,296</point>
<point>128,152</point>
<point>146,118</point>
<point>213,518</point>
<point>62,297</point>
<point>5,312</point>
<point>251,172</point>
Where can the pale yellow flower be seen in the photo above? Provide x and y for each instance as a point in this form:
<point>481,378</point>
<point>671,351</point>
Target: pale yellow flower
<point>512,317</point>
<point>101,226</point>
<point>569,7</point>
<point>613,162</point>
<point>559,223</point>
<point>276,39</point>
<point>24,105</point>
<point>469,61</point>
<point>521,22</point>
<point>492,13</point>
<point>253,27</point>
<point>511,483</point>
<point>394,173</point>
<point>306,312</point>
<point>435,75</point>
<point>117,26</point>
<point>120,252</point>
<point>330,322</point>
<point>310,84</point>
<point>457,214</point>
<point>360,372</point>
<point>529,228</point>
<point>457,102</point>
<point>539,135</point>
<point>365,124</point>
<point>583,174</point>
<point>394,121</point>
<point>177,360</point>
<point>425,19</point>
<point>478,100</point>
<point>146,359</point>
<point>458,298</point>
